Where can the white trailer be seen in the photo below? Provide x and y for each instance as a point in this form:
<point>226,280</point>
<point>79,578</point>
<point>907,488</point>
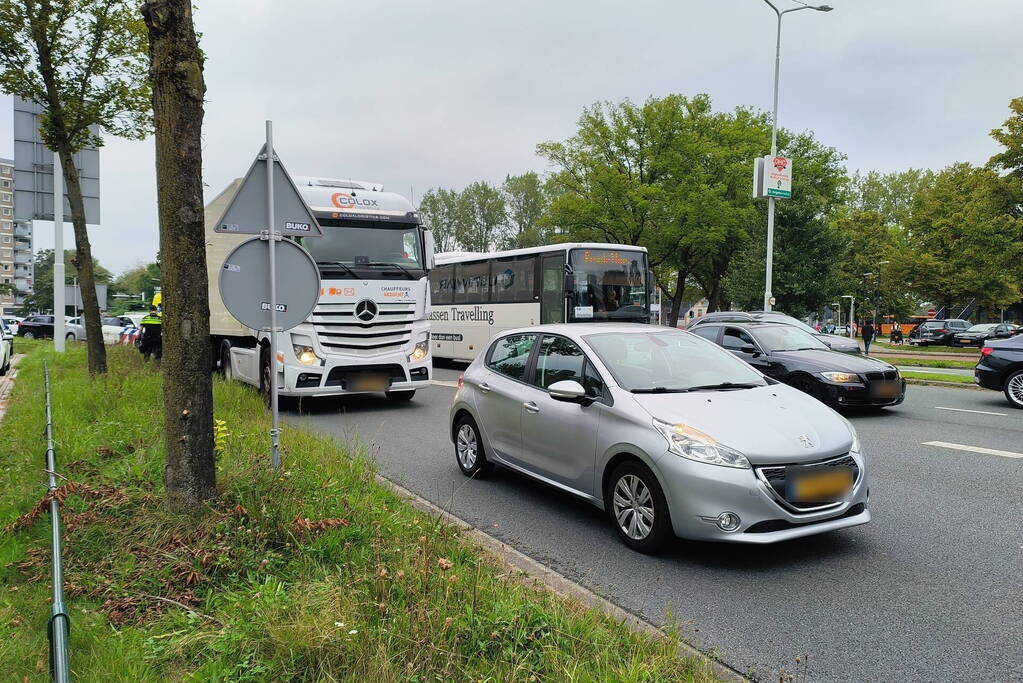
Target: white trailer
<point>370,329</point>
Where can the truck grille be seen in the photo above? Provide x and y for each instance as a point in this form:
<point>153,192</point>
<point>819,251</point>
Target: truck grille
<point>339,329</point>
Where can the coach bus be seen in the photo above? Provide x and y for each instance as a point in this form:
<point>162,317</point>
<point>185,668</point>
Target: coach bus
<point>475,295</point>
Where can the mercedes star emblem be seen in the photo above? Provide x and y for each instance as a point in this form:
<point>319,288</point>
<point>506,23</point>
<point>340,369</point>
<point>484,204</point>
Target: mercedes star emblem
<point>366,310</point>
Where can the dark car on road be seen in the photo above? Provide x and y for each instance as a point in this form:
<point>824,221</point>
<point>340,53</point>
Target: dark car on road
<point>36,327</point>
<point>1001,368</point>
<point>940,332</point>
<point>790,355</point>
<point>978,334</point>
<point>832,341</point>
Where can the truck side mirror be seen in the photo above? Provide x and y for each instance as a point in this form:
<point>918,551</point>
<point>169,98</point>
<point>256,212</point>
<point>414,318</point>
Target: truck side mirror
<point>428,244</point>
<point>569,284</point>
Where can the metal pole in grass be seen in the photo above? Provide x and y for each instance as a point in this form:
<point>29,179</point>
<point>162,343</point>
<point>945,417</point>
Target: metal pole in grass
<point>60,623</point>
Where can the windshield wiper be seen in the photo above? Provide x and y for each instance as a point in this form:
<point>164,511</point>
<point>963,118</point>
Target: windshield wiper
<point>393,265</point>
<point>658,390</point>
<point>338,263</point>
<point>723,386</point>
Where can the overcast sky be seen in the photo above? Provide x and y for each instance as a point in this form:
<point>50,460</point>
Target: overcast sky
<point>420,94</point>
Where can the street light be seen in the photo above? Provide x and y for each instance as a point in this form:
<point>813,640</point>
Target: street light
<point>774,143</point>
<point>852,306</point>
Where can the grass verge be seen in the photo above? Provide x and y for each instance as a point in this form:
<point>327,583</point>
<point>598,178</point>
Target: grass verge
<point>316,573</point>
<point>907,348</point>
<point>937,377</point>
<point>933,363</point>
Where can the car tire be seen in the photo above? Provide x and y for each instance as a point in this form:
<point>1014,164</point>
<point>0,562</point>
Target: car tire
<point>70,336</point>
<point>29,335</point>
<point>630,486</point>
<point>470,454</point>
<point>399,396</point>
<point>1014,389</point>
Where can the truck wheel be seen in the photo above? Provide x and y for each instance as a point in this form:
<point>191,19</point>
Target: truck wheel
<point>400,396</point>
<point>265,377</point>
<point>225,364</point>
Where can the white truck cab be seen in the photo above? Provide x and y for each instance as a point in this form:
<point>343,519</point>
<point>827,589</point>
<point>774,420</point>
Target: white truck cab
<point>370,330</point>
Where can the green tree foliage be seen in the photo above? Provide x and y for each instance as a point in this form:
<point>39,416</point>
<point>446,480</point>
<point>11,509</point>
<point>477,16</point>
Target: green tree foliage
<point>481,217</point>
<point>806,246</point>
<point>41,298</point>
<point>1010,135</point>
<point>526,202</point>
<point>889,195</point>
<point>967,236</point>
<point>876,262</point>
<point>84,63</point>
<point>438,210</point>
<point>671,175</point>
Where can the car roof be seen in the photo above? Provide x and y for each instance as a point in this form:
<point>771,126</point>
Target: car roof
<point>576,330</point>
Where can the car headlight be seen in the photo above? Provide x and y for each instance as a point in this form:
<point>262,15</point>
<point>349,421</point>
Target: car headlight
<point>306,355</point>
<point>419,353</point>
<point>695,445</point>
<point>841,377</point>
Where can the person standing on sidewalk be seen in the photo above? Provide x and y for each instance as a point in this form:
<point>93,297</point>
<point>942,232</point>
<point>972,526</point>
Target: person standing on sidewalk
<point>867,331</point>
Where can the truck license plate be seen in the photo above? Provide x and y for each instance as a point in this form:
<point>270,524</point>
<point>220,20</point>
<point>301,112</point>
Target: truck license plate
<point>369,383</point>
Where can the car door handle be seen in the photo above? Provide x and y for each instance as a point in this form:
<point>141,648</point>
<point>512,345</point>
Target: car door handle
<point>484,387</point>
<point>531,407</point>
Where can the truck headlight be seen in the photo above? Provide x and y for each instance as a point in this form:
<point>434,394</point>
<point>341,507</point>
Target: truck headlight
<point>841,377</point>
<point>306,355</point>
<point>419,353</point>
<point>695,445</point>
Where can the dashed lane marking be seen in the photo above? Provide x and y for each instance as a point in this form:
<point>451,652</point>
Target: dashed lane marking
<point>973,449</point>
<point>964,410</point>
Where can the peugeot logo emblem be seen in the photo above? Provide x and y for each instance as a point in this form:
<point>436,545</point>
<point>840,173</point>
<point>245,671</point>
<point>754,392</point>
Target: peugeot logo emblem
<point>366,310</point>
<point>805,442</point>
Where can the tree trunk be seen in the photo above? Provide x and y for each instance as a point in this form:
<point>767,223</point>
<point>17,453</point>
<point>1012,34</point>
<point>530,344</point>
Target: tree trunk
<point>676,298</point>
<point>178,90</point>
<point>84,264</point>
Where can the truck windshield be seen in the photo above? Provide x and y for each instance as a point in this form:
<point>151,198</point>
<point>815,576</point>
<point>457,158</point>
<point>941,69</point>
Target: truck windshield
<point>366,247</point>
<point>609,285</point>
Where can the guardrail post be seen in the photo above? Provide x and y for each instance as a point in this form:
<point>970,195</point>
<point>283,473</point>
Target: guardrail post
<point>59,625</point>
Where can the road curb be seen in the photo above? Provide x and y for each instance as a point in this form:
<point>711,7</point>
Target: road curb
<point>552,580</point>
<point>936,383</point>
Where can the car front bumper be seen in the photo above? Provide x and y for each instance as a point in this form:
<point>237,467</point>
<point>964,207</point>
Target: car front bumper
<point>859,395</point>
<point>697,493</point>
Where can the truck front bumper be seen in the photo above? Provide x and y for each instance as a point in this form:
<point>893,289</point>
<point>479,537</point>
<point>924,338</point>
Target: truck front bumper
<point>335,377</point>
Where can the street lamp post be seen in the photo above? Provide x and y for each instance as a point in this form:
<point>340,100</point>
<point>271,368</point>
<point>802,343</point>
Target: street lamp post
<point>774,143</point>
<point>852,313</point>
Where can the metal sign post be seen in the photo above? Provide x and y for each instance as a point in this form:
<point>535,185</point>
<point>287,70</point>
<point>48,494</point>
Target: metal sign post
<point>286,213</point>
<point>272,236</point>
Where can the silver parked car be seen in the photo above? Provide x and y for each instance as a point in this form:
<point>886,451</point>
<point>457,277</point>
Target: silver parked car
<point>667,432</point>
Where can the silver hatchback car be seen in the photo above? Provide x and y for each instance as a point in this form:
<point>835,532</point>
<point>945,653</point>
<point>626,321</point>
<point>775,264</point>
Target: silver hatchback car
<point>667,432</point>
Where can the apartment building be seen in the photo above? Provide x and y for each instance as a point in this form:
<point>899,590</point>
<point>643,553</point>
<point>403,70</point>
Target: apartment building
<point>8,265</point>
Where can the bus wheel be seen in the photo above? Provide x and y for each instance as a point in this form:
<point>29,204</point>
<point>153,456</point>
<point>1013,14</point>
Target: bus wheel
<point>400,396</point>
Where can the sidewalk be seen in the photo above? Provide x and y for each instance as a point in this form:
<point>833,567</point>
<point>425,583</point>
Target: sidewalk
<point>7,383</point>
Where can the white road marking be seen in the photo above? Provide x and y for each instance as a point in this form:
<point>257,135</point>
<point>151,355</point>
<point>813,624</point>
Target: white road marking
<point>964,410</point>
<point>443,383</point>
<point>973,449</point>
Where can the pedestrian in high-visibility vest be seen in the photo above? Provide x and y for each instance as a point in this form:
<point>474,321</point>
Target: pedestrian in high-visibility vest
<point>151,342</point>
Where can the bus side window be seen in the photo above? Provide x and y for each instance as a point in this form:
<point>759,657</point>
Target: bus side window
<point>472,283</point>
<point>442,282</point>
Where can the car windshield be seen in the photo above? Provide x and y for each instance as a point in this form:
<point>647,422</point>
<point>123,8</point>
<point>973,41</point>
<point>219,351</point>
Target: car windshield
<point>986,327</point>
<point>609,285</point>
<point>669,361</point>
<point>787,338</point>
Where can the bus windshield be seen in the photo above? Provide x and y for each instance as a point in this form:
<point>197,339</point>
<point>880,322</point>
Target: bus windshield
<point>608,285</point>
<point>366,249</point>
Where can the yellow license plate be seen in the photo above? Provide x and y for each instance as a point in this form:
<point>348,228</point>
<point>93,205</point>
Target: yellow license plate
<point>887,389</point>
<point>823,486</point>
<point>369,383</point>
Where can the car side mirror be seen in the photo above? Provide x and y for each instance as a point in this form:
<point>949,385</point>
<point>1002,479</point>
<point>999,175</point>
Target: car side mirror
<point>750,349</point>
<point>569,391</point>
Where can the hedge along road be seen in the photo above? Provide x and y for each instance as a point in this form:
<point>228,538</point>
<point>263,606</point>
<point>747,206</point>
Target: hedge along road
<point>928,591</point>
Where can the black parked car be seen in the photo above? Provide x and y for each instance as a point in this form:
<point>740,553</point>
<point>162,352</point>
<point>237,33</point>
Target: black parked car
<point>978,334</point>
<point>940,332</point>
<point>36,327</point>
<point>832,341</point>
<point>1001,368</point>
<point>790,355</point>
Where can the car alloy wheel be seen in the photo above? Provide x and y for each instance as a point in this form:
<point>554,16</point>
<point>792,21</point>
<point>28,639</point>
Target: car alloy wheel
<point>633,507</point>
<point>469,452</point>
<point>1014,389</point>
<point>637,507</point>
<point>29,335</point>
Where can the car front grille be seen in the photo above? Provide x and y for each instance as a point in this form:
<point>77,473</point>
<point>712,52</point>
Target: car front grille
<point>769,525</point>
<point>774,476</point>
<point>877,376</point>
<point>339,330</point>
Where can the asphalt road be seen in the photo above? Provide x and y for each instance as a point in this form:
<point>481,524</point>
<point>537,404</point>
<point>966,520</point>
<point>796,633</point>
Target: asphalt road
<point>929,591</point>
